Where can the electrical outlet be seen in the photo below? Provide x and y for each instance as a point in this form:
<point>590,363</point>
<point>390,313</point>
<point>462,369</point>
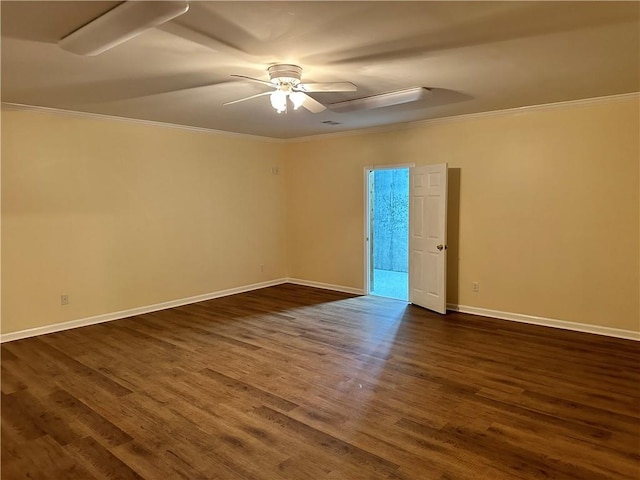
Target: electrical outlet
<point>275,170</point>
<point>475,287</point>
<point>262,268</point>
<point>64,299</point>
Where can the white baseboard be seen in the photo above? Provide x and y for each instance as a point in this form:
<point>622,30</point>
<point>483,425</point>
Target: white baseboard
<point>515,317</point>
<point>326,286</point>
<point>547,322</point>
<point>107,317</point>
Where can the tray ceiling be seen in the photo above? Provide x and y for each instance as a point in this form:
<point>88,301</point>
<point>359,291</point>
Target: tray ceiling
<point>474,56</point>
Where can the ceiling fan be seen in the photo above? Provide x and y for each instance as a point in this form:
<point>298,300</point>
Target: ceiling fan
<point>130,18</point>
<point>286,80</point>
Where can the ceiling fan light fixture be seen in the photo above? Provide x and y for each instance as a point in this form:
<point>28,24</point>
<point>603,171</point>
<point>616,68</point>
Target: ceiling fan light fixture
<point>382,100</point>
<point>286,79</point>
<point>297,98</point>
<point>279,101</point>
<point>121,23</point>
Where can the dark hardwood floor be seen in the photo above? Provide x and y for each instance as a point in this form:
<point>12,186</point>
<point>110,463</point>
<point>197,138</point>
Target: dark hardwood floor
<point>292,382</point>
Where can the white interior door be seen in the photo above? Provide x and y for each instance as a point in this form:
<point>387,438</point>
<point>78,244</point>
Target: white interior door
<point>428,237</point>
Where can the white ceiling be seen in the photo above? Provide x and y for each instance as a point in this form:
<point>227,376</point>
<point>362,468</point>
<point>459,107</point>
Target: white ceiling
<point>475,56</point>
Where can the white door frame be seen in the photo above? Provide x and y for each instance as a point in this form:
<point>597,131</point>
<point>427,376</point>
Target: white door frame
<point>367,223</point>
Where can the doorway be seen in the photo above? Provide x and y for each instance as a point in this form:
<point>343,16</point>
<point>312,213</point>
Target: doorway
<point>388,232</point>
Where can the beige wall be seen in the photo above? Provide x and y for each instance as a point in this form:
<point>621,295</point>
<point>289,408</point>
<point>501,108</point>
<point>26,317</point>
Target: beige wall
<point>543,208</point>
<point>120,215</point>
<point>543,212</point>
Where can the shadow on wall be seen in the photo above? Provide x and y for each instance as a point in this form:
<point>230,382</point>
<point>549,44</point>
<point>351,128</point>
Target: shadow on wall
<point>453,234</point>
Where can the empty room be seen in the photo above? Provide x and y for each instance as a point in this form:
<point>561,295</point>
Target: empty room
<point>320,240</point>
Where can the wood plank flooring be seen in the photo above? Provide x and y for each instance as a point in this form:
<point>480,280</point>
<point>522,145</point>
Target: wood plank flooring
<point>291,382</point>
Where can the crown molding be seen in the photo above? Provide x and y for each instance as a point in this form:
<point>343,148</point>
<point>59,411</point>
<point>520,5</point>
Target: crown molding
<point>468,116</point>
<point>347,133</point>
<point>137,121</point>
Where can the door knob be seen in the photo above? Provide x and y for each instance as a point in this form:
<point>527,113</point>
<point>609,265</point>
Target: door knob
<point>441,247</point>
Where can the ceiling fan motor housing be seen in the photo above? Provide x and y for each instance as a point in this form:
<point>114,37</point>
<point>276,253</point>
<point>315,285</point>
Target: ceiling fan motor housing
<point>283,73</point>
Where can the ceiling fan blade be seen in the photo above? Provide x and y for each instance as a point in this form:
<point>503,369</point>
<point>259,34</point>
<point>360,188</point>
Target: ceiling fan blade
<point>247,98</point>
<point>119,24</point>
<point>312,104</point>
<point>382,100</point>
<point>257,80</point>
<point>327,87</point>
